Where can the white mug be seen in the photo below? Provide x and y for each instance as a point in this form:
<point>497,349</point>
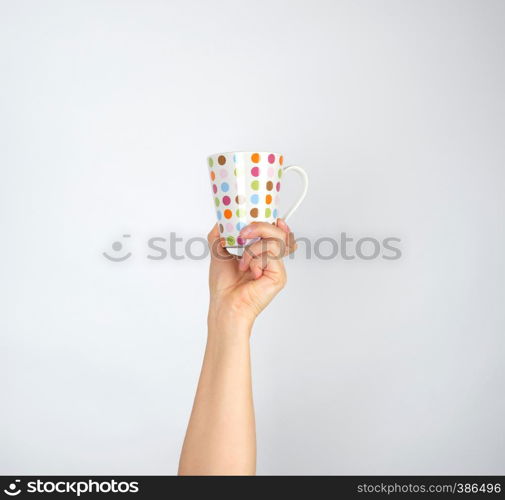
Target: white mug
<point>245,188</point>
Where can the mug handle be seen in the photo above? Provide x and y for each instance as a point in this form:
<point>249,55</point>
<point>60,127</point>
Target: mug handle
<point>305,180</point>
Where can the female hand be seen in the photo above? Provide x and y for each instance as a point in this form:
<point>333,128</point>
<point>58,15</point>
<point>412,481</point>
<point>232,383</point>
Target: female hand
<point>243,287</point>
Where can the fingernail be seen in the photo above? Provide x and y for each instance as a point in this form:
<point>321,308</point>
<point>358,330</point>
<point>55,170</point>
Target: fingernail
<point>246,231</point>
<point>282,224</point>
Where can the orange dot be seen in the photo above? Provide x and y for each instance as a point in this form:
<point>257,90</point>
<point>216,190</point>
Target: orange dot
<point>269,199</point>
<point>212,175</point>
<point>255,157</point>
<point>281,159</point>
<point>227,213</point>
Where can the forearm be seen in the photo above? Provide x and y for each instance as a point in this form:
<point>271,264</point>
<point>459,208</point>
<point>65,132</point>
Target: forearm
<point>221,436</point>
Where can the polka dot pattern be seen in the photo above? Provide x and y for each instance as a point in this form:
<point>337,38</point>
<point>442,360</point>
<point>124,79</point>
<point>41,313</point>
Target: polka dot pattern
<point>245,187</point>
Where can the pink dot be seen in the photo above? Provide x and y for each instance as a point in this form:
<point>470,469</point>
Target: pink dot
<point>229,227</point>
<point>278,186</point>
<point>240,241</point>
<point>277,199</point>
<point>255,171</point>
<point>226,200</point>
<point>223,173</point>
<point>271,171</point>
<point>214,188</point>
<point>271,158</point>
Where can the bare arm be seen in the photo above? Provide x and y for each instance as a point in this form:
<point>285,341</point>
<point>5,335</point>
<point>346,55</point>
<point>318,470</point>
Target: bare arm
<point>221,434</point>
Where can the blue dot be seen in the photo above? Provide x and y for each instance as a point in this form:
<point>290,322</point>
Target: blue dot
<point>275,214</point>
<point>234,158</point>
<point>255,198</point>
<point>224,187</point>
<point>219,215</point>
<point>240,225</point>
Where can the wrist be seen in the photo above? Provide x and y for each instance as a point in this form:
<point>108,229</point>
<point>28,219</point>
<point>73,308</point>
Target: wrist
<point>226,322</point>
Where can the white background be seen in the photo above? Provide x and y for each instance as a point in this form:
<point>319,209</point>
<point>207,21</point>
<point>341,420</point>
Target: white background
<point>396,110</point>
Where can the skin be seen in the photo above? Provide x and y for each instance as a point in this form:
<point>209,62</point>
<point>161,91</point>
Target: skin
<point>221,434</point>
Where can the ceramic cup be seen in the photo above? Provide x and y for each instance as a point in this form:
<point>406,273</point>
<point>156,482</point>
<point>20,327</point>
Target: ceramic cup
<point>246,187</point>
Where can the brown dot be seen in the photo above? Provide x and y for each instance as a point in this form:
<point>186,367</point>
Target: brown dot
<point>221,228</point>
<point>240,199</point>
<point>221,160</point>
<point>254,212</point>
<point>270,185</point>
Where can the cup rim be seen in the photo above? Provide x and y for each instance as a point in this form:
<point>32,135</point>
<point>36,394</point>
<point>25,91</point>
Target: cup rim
<point>245,152</point>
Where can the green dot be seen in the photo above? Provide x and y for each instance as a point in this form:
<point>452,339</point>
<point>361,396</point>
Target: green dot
<point>216,201</point>
<point>255,185</point>
<point>211,163</point>
<point>280,173</point>
<point>240,212</point>
<point>230,240</point>
<point>268,212</point>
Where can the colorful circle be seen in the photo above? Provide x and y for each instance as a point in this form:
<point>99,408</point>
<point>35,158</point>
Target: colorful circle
<point>279,173</point>
<point>281,159</point>
<point>221,160</point>
<point>225,187</point>
<point>223,173</point>
<point>219,215</point>
<point>213,175</point>
<point>221,228</point>
<point>230,240</point>
<point>240,225</point>
<point>255,171</point>
<point>240,212</point>
<point>211,162</point>
<point>255,158</point>
<point>228,213</point>
<point>234,158</point>
<point>275,213</point>
<point>268,212</point>
<point>271,158</point>
<point>271,171</point>
<point>255,199</point>
<point>240,241</point>
<point>268,199</point>
<point>229,227</point>
<point>226,200</point>
<point>216,201</point>
<point>214,188</point>
<point>254,212</point>
<point>278,186</point>
<point>270,185</point>
<point>255,185</point>
<point>240,198</point>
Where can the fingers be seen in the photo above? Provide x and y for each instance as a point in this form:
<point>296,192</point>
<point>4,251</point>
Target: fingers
<point>262,230</point>
<point>216,245</point>
<point>273,247</point>
<point>276,242</point>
